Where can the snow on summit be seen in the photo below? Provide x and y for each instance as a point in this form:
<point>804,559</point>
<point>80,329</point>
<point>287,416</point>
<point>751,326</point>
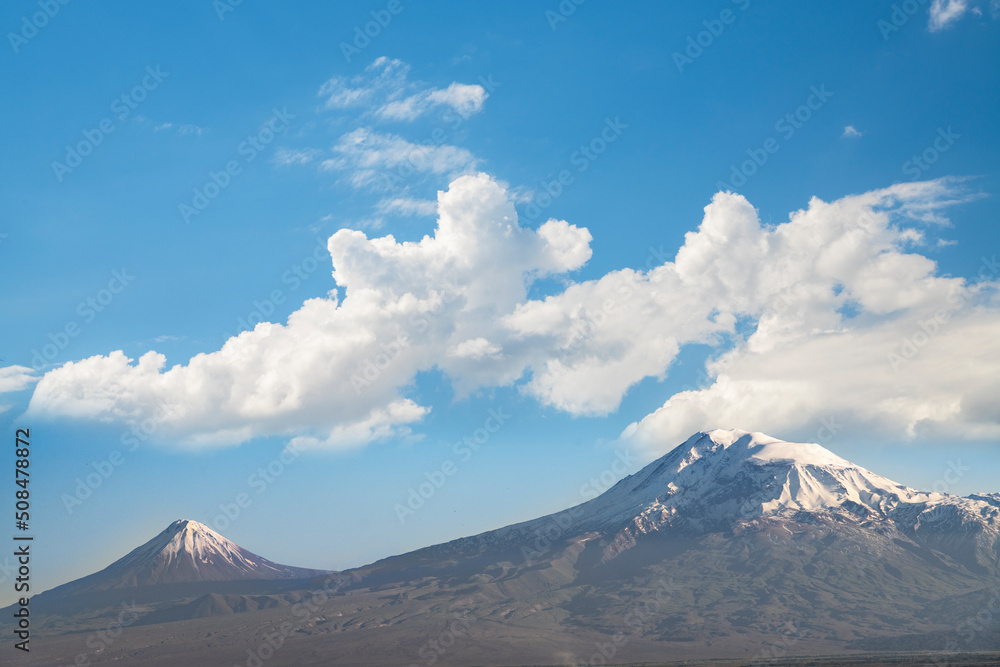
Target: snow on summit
<point>718,480</point>
<point>186,539</point>
<point>765,448</point>
<point>767,475</point>
<point>186,551</point>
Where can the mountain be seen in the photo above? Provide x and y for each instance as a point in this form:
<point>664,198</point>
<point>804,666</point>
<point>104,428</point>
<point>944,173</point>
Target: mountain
<point>732,481</point>
<point>743,541</point>
<point>734,545</point>
<point>185,552</point>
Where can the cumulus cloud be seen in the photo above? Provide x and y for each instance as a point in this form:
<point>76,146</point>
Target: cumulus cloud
<point>381,162</point>
<point>849,326</point>
<point>334,375</point>
<point>839,317</point>
<point>851,132</point>
<point>384,90</point>
<point>946,12</point>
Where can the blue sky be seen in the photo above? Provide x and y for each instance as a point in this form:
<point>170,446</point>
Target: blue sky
<point>224,148</point>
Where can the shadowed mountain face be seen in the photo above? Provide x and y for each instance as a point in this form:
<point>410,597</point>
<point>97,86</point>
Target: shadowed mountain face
<point>732,545</point>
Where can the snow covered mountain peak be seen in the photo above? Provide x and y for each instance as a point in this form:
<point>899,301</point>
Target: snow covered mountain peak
<point>740,474</point>
<point>761,447</point>
<point>192,539</point>
<point>719,479</point>
<point>185,551</point>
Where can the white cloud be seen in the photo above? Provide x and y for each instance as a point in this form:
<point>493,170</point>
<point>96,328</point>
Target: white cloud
<point>287,157</point>
<point>335,373</point>
<point>385,77</point>
<point>14,379</point>
<point>851,132</point>
<point>380,424</point>
<point>184,130</point>
<point>901,365</point>
<point>463,98</point>
<point>188,129</point>
<point>383,88</point>
<point>847,376</point>
<point>382,161</point>
<point>476,348</point>
<point>945,12</point>
<point>406,206</point>
<point>828,297</point>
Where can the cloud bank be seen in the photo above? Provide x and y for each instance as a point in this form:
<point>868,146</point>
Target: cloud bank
<point>832,313</point>
<point>335,373</point>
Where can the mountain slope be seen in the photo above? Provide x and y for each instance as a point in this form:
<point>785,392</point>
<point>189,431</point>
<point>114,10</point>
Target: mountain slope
<point>729,481</point>
<point>750,535</point>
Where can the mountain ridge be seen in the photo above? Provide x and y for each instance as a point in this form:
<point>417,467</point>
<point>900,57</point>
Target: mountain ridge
<point>724,480</point>
<point>730,543</point>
